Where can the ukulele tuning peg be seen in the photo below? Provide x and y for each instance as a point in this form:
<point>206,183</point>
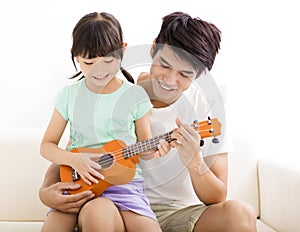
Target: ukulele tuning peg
<point>209,121</point>
<point>195,124</point>
<point>215,140</point>
<point>201,143</point>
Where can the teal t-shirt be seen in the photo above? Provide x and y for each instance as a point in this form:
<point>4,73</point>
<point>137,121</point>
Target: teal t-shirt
<point>96,119</point>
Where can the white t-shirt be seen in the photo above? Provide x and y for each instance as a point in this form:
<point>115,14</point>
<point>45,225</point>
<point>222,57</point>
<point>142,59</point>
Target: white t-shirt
<point>167,179</point>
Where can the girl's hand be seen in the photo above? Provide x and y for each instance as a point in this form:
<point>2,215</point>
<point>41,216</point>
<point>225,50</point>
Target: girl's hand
<point>87,167</point>
<point>187,142</point>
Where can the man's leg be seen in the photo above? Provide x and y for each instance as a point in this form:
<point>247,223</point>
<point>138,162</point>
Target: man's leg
<point>232,216</point>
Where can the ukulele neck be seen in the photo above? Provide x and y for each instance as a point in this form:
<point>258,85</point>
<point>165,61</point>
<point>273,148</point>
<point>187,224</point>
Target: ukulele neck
<point>146,145</point>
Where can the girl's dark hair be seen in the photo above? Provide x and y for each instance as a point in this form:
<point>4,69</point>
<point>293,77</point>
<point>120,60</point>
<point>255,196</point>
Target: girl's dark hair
<point>97,35</point>
<point>190,36</point>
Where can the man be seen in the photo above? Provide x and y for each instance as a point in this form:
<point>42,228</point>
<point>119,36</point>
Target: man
<point>187,188</point>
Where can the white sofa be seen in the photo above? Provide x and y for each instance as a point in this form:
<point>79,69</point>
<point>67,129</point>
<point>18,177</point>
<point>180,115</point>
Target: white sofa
<point>272,188</point>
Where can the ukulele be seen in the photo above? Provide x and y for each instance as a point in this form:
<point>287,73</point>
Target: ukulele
<point>118,161</point>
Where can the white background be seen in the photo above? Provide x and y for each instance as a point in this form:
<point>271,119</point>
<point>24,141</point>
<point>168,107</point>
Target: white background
<point>258,64</point>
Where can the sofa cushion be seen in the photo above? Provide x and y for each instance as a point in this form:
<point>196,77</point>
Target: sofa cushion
<point>22,171</point>
<point>242,174</point>
<point>280,194</point>
<point>20,226</point>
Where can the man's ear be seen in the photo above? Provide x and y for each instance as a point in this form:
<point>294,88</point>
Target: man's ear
<point>152,48</point>
<point>124,47</point>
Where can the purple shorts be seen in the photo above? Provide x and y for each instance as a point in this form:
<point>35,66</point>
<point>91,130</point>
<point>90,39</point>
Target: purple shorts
<point>130,196</point>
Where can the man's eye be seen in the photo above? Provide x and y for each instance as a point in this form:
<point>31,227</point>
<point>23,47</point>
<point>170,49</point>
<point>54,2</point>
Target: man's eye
<point>164,65</point>
<point>184,75</point>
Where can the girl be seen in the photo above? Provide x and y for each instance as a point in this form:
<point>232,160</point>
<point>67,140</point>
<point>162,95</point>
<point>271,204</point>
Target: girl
<point>101,107</point>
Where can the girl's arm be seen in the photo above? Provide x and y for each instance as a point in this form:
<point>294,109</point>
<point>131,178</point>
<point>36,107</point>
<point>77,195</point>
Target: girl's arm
<point>143,132</point>
<point>50,150</point>
<point>49,146</point>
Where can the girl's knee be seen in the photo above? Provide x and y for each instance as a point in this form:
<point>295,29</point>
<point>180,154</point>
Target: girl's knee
<point>100,213</point>
<point>101,203</point>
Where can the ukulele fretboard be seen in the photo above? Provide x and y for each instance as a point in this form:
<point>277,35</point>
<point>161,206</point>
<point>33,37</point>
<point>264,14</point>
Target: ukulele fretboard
<point>145,145</point>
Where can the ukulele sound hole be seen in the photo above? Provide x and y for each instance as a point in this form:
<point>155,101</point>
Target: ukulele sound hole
<point>106,161</point>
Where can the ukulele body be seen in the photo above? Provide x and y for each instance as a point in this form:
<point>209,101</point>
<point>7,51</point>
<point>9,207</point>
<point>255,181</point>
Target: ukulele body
<point>116,168</point>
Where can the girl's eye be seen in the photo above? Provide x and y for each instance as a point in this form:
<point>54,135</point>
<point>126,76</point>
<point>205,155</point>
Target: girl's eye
<point>108,60</point>
<point>88,63</point>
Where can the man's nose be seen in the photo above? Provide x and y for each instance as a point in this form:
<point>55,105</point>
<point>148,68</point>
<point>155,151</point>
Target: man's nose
<point>171,76</point>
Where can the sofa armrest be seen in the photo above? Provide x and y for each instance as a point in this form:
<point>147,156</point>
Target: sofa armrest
<point>279,187</point>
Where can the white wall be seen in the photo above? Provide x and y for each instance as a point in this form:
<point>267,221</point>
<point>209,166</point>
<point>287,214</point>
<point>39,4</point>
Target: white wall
<point>258,63</point>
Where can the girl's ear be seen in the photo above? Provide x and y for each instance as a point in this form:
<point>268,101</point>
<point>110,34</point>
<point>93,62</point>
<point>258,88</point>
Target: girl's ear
<point>152,47</point>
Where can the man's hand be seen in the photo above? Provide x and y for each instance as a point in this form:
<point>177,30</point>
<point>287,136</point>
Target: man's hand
<point>162,149</point>
<point>187,142</point>
<point>53,197</point>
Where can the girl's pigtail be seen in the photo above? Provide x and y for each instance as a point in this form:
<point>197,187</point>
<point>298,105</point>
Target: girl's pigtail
<point>77,75</point>
<point>127,75</point>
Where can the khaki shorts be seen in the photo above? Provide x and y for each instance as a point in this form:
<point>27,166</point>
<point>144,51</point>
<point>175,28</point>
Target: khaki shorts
<point>176,218</point>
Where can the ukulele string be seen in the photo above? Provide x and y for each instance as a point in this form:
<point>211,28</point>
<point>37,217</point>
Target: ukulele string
<point>119,154</point>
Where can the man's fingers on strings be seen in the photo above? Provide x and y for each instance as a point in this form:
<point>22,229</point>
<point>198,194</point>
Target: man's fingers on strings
<point>163,147</point>
<point>177,133</point>
<point>174,143</point>
<point>178,122</point>
<point>191,130</point>
<point>187,137</point>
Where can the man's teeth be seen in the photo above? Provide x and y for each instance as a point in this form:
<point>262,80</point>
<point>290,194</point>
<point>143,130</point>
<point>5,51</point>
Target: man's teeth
<point>165,87</point>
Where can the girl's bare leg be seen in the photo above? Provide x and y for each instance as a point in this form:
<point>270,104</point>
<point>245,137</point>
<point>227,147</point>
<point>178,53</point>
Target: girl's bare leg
<point>99,215</point>
<point>59,222</point>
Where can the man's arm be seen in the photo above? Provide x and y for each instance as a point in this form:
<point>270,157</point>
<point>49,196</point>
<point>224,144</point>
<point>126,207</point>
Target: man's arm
<point>209,179</point>
<point>51,192</point>
<point>208,175</point>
